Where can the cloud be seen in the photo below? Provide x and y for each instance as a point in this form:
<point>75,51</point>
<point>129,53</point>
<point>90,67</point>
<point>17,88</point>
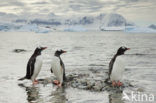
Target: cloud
<point>76,6</point>
<point>11,3</point>
<point>40,3</point>
<point>128,8</point>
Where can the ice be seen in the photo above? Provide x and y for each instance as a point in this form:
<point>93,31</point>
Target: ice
<point>113,22</point>
<point>30,28</point>
<point>75,29</point>
<point>139,30</point>
<point>113,28</point>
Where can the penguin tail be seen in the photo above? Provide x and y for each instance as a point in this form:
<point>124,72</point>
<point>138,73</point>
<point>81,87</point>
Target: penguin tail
<point>22,78</point>
<point>107,81</point>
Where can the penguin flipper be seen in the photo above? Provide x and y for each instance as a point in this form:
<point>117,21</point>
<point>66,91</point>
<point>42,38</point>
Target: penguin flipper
<point>51,70</point>
<point>64,77</point>
<point>22,78</point>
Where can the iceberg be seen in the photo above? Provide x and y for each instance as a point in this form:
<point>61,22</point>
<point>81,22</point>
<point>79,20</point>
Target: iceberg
<point>113,22</point>
<point>113,28</point>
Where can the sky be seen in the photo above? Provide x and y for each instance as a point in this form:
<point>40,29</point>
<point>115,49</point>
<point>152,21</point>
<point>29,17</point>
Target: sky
<point>141,12</point>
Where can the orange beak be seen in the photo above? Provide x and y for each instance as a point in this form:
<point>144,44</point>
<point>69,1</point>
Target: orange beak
<point>64,51</point>
<point>44,48</point>
<point>128,48</point>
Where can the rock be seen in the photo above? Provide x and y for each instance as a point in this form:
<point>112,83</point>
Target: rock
<point>140,90</point>
<point>98,86</point>
<point>82,87</point>
<point>90,84</point>
<point>19,50</point>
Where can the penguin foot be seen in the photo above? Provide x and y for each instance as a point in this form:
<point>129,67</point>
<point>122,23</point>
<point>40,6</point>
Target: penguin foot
<point>119,83</point>
<point>35,82</point>
<point>56,82</point>
<point>114,83</point>
<point>59,85</point>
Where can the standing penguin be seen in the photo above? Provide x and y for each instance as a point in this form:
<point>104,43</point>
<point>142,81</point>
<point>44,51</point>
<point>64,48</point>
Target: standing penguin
<point>116,67</point>
<point>58,68</point>
<point>34,65</point>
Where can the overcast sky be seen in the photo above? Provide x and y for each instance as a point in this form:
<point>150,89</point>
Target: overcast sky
<point>142,12</point>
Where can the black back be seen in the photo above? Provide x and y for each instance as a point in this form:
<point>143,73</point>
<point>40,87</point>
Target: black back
<point>111,65</point>
<point>30,67</point>
<point>31,62</point>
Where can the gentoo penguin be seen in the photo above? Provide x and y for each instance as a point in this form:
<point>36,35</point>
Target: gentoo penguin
<point>116,67</point>
<point>58,68</point>
<point>34,65</point>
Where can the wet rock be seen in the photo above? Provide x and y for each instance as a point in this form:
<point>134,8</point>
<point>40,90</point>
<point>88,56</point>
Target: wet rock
<point>98,86</point>
<point>140,90</point>
<point>19,50</point>
<point>92,82</point>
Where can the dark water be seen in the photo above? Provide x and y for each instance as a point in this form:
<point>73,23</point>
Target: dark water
<point>86,50</point>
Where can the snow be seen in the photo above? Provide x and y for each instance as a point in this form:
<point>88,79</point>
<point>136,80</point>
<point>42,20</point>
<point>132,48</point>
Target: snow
<point>113,22</point>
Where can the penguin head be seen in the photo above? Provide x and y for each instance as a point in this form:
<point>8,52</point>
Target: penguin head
<point>38,50</point>
<point>122,50</point>
<point>59,52</point>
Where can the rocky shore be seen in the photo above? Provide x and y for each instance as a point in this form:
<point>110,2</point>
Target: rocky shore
<point>88,82</point>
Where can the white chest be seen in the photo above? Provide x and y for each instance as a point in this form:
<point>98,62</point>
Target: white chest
<point>118,68</point>
<point>57,69</point>
<point>37,67</point>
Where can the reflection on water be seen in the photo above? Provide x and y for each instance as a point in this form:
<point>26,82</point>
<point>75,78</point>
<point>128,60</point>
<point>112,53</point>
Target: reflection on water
<point>58,96</point>
<point>34,95</point>
<point>115,98</point>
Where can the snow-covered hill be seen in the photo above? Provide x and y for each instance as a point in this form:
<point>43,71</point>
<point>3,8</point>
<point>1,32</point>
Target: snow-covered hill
<point>53,22</point>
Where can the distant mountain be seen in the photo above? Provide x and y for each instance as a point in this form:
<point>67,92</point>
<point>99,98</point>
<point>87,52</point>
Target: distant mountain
<point>152,26</point>
<point>53,22</point>
<point>116,20</point>
<point>45,22</point>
